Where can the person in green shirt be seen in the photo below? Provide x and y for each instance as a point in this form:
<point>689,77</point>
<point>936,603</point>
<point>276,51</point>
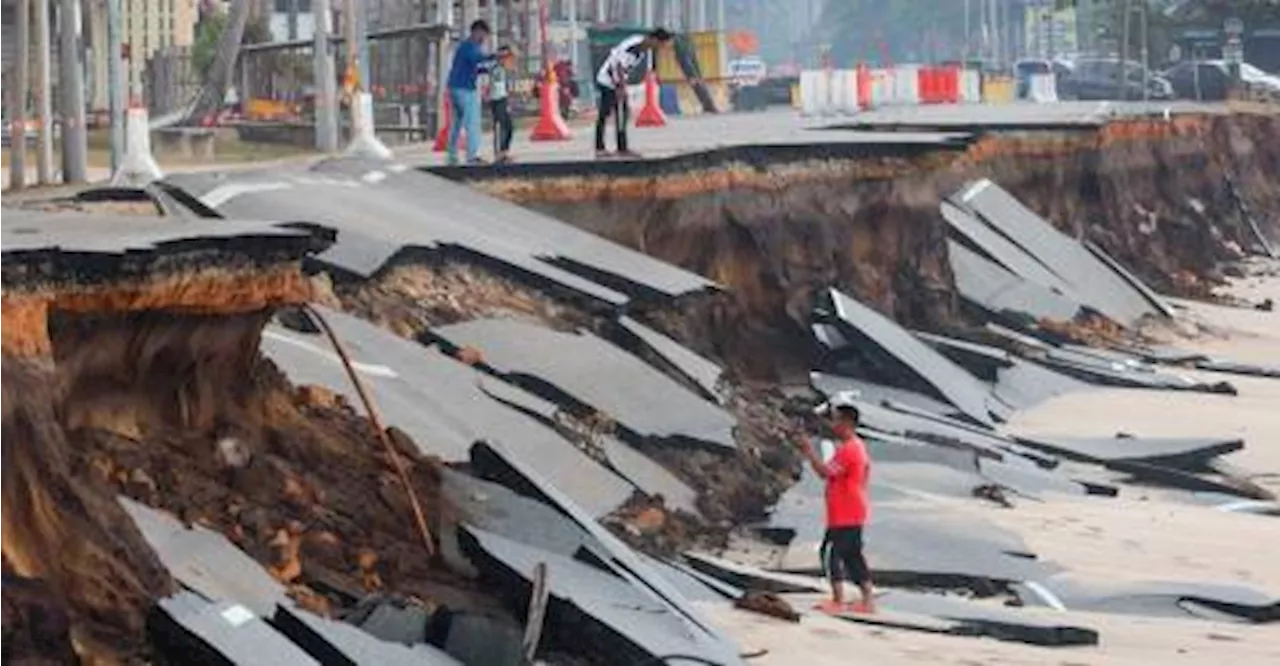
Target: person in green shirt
<point>499,92</point>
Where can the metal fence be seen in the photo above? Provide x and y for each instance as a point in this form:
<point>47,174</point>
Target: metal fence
<point>277,81</point>
<point>170,80</point>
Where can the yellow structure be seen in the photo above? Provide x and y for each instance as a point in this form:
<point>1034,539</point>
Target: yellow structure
<point>708,48</point>
<point>997,89</point>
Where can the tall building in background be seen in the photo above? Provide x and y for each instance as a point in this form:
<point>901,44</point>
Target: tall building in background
<point>151,25</point>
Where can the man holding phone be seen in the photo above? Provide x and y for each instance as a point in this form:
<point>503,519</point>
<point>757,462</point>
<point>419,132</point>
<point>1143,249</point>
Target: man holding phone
<point>847,505</point>
<point>611,81</point>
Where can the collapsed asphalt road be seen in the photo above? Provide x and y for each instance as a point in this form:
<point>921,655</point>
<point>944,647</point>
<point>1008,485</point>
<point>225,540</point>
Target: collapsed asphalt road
<point>560,400</point>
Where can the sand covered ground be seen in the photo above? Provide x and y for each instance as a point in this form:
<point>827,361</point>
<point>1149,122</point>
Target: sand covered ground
<point>1139,536</point>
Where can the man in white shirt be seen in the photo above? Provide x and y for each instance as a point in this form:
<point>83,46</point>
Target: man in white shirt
<point>611,80</point>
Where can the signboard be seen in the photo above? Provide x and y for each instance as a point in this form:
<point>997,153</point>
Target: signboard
<point>1233,51</point>
<point>1233,27</point>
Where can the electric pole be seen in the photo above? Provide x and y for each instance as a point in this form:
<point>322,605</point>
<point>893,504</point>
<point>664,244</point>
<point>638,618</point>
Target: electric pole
<point>1124,53</point>
<point>20,88</point>
<point>74,142</point>
<point>43,96</point>
<point>326,95</point>
<point>115,83</point>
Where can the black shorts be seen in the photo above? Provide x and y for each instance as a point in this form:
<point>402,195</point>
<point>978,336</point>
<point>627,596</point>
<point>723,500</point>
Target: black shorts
<point>842,557</point>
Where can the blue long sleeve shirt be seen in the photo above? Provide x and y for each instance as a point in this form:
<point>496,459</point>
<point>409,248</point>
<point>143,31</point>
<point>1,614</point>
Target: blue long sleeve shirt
<point>467,59</point>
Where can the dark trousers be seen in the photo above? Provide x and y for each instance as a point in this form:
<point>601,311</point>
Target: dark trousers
<point>502,127</point>
<point>842,557</point>
<point>612,103</point>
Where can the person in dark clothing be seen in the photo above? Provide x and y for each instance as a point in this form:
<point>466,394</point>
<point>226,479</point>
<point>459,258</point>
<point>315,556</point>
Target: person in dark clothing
<point>611,80</point>
<point>499,93</point>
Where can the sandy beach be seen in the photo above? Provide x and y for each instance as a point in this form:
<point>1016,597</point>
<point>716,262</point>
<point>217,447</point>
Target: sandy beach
<point>1136,537</point>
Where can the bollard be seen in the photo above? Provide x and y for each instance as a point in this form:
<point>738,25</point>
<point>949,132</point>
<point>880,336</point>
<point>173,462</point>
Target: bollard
<point>138,167</point>
<point>364,140</point>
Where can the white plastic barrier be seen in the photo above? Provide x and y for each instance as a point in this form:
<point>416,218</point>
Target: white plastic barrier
<point>813,92</point>
<point>1043,88</point>
<point>825,92</point>
<point>970,87</point>
<point>881,87</point>
<point>844,91</point>
<point>906,85</point>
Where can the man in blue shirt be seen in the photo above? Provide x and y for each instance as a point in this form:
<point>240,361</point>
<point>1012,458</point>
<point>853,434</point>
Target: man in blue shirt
<point>468,60</point>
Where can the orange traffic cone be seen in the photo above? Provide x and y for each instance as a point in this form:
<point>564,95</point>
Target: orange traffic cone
<point>651,115</point>
<point>442,137</point>
<point>551,125</point>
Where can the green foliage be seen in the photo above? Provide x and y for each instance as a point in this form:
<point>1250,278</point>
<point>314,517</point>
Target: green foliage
<point>209,32</point>
<point>909,30</point>
<point>205,48</point>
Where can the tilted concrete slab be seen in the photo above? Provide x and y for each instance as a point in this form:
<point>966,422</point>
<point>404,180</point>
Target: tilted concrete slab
<point>831,384</point>
<point>1000,250</point>
<point>1092,280</point>
<point>333,642</point>
<point>598,374</point>
<point>958,616</point>
<point>703,372</point>
<point>31,230</point>
<point>439,402</point>
<point>911,539</point>
<point>1187,453</point>
<point>1000,292</point>
<point>1155,599</point>
<point>190,629</point>
<point>1027,384</point>
<point>619,557</point>
<point>206,562</point>
<point>396,204</point>
<point>652,627</point>
<point>950,380</point>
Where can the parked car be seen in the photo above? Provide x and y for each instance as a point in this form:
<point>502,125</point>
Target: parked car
<point>1102,79</point>
<point>1024,69</point>
<point>1210,79</point>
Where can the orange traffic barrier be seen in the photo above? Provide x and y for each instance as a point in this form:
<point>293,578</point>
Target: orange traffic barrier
<point>651,114</point>
<point>551,125</point>
<point>442,137</point>
<point>864,86</point>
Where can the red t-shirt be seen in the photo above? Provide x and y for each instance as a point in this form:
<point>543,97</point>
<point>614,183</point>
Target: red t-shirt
<point>847,504</point>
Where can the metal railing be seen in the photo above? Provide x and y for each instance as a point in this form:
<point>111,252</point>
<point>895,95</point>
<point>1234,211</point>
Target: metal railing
<point>277,80</point>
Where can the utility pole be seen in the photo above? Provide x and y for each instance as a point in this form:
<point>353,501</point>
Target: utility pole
<point>43,96</point>
<point>115,83</point>
<point>74,142</point>
<point>493,26</point>
<point>968,36</point>
<point>293,19</point>
<point>326,85</point>
<point>1124,53</point>
<point>1146,60</point>
<point>722,22</point>
<point>19,90</point>
<point>573,39</point>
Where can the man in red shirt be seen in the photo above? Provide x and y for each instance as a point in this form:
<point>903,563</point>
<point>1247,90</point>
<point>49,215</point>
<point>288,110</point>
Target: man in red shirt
<point>848,506</point>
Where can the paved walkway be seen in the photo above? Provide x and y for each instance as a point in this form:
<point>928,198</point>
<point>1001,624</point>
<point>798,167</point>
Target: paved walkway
<point>686,134</point>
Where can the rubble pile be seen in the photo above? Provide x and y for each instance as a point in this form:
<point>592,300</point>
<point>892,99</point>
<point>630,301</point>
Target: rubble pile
<point>137,373</point>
